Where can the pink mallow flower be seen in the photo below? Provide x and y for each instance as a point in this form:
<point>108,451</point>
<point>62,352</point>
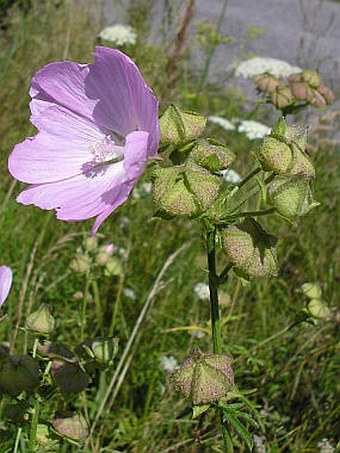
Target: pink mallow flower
<point>98,125</point>
<point>5,282</point>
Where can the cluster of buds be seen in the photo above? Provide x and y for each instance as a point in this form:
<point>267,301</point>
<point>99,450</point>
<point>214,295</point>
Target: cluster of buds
<point>283,152</point>
<point>316,309</point>
<point>304,88</point>
<point>190,186</point>
<point>92,256</point>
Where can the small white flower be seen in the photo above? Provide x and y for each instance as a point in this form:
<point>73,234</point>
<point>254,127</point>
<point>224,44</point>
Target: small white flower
<point>259,444</point>
<point>223,122</point>
<point>198,334</point>
<point>230,176</point>
<point>202,291</point>
<point>325,446</point>
<point>168,363</point>
<point>128,292</point>
<point>253,129</point>
<point>255,66</point>
<point>119,34</point>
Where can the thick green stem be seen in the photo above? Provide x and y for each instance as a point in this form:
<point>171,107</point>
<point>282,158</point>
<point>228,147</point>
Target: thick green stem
<point>34,424</point>
<point>213,289</point>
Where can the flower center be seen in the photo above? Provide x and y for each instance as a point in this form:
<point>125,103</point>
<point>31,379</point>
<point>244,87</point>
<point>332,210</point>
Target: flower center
<point>105,150</point>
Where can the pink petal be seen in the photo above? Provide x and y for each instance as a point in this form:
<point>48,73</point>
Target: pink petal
<point>97,192</point>
<point>6,276</point>
<point>60,150</point>
<point>128,101</point>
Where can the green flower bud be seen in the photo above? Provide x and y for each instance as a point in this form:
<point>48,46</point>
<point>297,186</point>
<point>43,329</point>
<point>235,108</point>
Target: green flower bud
<point>81,263</point>
<point>267,82</point>
<point>205,378</point>
<point>212,155</point>
<point>170,194</point>
<point>69,376</point>
<point>72,427</point>
<point>311,77</point>
<point>302,91</point>
<point>301,165</point>
<point>283,151</point>
<point>103,350</point>
<point>312,290</point>
<point>275,155</point>
<point>41,321</point>
<point>113,267</point>
<point>203,185</point>
<point>282,97</point>
<point>91,243</point>
<point>251,249</point>
<point>287,194</point>
<point>326,93</point>
<point>317,308</point>
<point>18,373</point>
<point>178,128</point>
<point>294,134</point>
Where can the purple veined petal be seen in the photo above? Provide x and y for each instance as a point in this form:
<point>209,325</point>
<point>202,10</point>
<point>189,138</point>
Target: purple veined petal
<point>65,144</point>
<point>129,102</point>
<point>98,192</point>
<point>77,198</point>
<point>6,277</point>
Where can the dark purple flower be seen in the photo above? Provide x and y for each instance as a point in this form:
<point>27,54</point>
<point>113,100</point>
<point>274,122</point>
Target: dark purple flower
<point>98,125</point>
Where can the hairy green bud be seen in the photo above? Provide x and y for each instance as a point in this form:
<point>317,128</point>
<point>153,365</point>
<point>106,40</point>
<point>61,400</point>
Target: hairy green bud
<point>275,155</point>
<point>41,321</point>
<point>205,378</point>
<point>178,128</point>
<point>251,249</point>
<point>288,194</point>
<point>101,349</point>
<point>212,155</point>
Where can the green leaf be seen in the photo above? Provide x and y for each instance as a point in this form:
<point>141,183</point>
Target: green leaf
<point>228,443</point>
<point>197,410</point>
<point>248,418</point>
<point>241,430</point>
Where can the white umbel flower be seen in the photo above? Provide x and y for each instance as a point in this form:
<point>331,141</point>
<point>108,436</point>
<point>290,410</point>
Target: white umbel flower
<point>230,176</point>
<point>255,66</point>
<point>253,129</point>
<point>325,446</point>
<point>119,34</point>
<point>223,122</point>
<point>202,291</point>
<point>168,363</point>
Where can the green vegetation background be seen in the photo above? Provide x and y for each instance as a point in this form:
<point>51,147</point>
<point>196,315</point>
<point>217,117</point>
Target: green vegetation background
<point>294,371</point>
